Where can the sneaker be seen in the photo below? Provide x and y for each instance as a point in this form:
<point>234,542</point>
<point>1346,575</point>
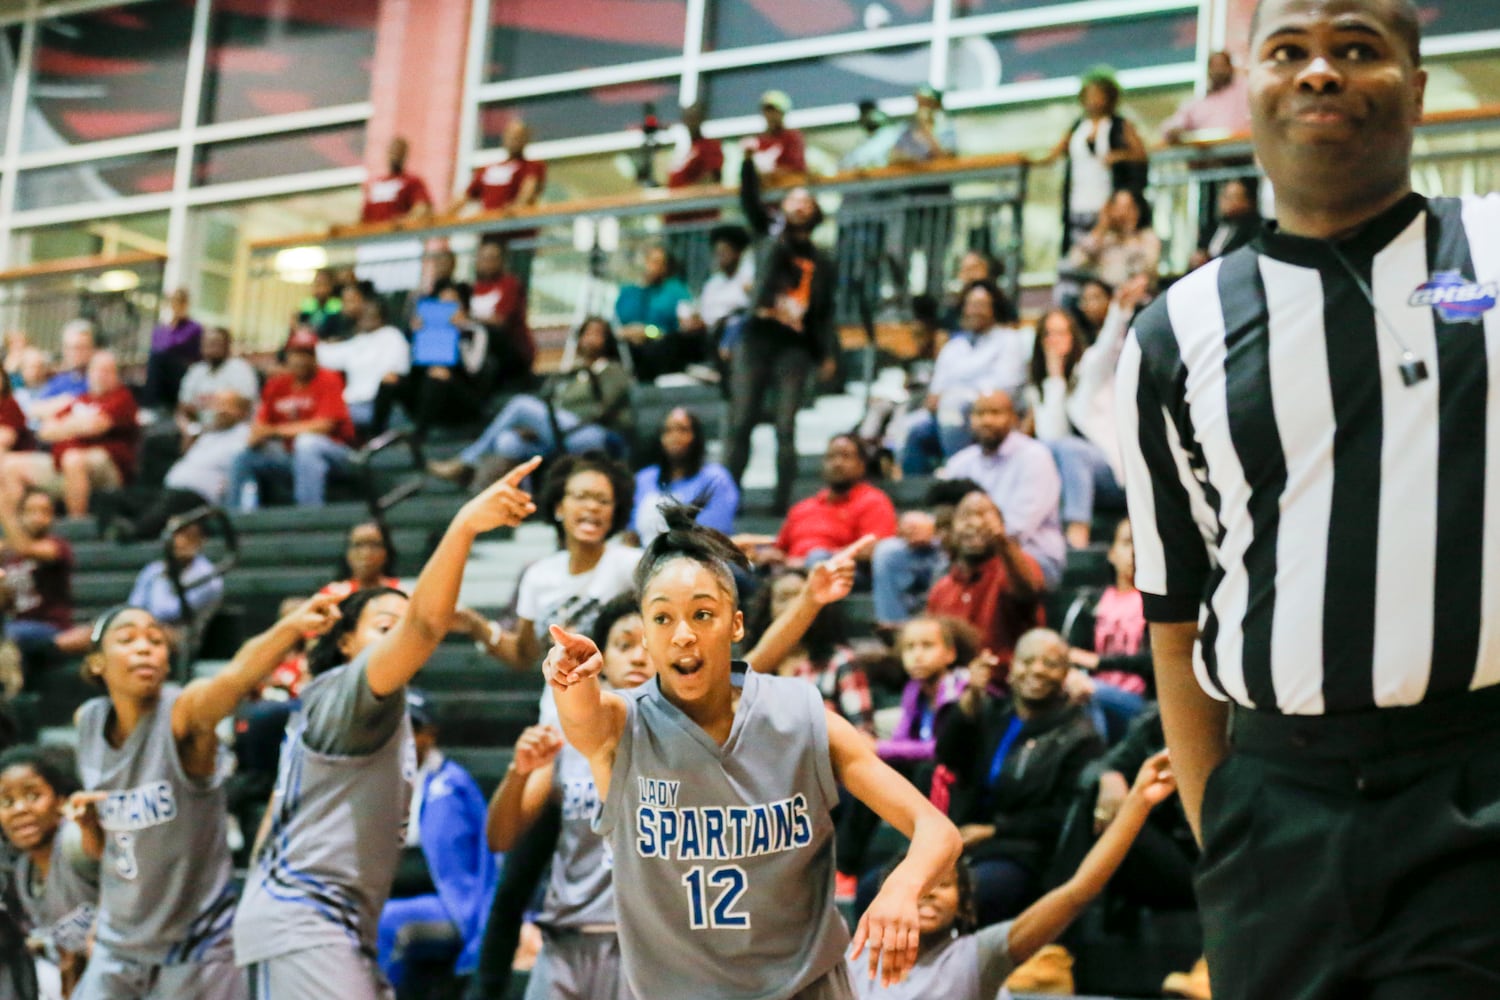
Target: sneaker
<point>1192,984</point>
<point>12,679</point>
<point>703,373</point>
<point>452,470</point>
<point>1049,971</point>
<point>844,887</point>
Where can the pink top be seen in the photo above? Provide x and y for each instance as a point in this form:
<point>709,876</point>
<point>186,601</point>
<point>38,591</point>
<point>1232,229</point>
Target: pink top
<point>1227,109</point>
<point>1119,623</point>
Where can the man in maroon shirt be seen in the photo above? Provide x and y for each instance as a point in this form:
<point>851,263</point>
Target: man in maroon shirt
<point>515,182</point>
<point>701,161</point>
<point>499,303</point>
<point>842,513</point>
<point>397,195</point>
<point>36,581</point>
<point>301,433</point>
<point>92,440</point>
<point>779,152</point>
<point>992,584</point>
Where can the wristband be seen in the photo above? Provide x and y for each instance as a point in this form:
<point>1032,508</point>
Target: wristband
<point>491,640</point>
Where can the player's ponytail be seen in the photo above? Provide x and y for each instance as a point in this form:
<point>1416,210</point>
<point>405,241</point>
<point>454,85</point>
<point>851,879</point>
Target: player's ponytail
<point>685,538</point>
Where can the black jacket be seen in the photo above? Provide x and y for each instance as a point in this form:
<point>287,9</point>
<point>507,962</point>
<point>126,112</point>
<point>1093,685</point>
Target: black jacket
<point>1035,788</point>
<point>779,261</point>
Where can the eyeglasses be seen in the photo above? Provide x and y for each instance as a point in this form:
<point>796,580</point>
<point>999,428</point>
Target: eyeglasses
<point>601,499</point>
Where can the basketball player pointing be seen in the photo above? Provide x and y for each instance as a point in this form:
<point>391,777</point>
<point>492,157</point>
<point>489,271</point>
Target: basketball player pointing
<point>717,783</point>
<point>1306,427</point>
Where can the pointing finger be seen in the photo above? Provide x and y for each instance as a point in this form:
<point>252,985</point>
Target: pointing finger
<point>857,549</point>
<point>518,475</point>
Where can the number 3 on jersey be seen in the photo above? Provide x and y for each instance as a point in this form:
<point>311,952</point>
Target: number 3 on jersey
<point>125,864</point>
<point>730,882</point>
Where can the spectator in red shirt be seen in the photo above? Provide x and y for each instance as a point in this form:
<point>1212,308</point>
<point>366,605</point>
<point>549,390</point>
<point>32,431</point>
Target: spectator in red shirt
<point>92,440</point>
<point>779,152</point>
<point>701,161</point>
<point>37,582</point>
<point>514,182</point>
<point>14,434</point>
<point>992,584</point>
<point>499,303</point>
<point>842,513</point>
<point>397,195</point>
<point>698,160</point>
<point>301,432</point>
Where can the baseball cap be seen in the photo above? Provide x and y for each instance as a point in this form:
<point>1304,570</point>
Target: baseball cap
<point>776,99</point>
<point>419,707</point>
<point>302,339</point>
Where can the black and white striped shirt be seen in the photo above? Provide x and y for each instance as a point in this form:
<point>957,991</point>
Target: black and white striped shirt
<point>1322,522</point>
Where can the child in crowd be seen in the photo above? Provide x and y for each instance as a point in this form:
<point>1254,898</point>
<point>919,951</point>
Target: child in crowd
<point>932,650</point>
<point>55,881</point>
<point>958,961</point>
<point>1121,656</point>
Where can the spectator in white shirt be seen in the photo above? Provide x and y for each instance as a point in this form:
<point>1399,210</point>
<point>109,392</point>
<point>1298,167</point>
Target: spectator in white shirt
<point>200,476</point>
<point>725,298</point>
<point>218,371</point>
<point>373,362</point>
<point>987,355</point>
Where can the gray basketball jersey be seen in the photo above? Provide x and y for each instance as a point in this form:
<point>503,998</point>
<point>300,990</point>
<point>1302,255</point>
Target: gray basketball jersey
<point>165,889</point>
<point>60,911</point>
<point>338,823</point>
<point>724,855</point>
<point>579,891</point>
<point>966,967</point>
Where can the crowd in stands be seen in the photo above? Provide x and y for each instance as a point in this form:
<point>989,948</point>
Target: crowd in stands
<point>1015,700</point>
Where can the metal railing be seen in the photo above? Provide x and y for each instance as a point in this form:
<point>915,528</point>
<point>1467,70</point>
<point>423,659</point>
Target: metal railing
<point>1455,153</point>
<point>896,232</point>
<point>121,295</point>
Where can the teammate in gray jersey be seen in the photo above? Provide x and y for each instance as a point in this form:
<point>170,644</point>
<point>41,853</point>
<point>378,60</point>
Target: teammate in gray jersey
<point>308,920</point>
<point>154,769</point>
<point>580,957</point>
<point>717,786</point>
<point>55,882</point>
<point>958,962</point>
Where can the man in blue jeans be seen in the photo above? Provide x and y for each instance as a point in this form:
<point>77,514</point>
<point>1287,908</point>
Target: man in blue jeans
<point>302,431</point>
<point>38,583</point>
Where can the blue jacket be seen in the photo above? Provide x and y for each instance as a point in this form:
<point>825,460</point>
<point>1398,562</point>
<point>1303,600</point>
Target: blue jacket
<point>462,866</point>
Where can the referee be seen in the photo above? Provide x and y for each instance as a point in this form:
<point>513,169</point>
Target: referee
<point>1309,429</point>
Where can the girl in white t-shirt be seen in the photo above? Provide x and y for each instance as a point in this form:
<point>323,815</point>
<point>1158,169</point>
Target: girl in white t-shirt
<point>589,499</point>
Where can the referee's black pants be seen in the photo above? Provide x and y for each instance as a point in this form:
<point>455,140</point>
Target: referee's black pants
<point>1356,857</point>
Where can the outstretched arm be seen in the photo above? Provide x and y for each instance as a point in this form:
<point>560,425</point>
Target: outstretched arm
<point>891,925</point>
<point>750,203</point>
<point>592,718</point>
<point>827,583</point>
<point>204,702</point>
<point>398,657</point>
<point>1044,920</point>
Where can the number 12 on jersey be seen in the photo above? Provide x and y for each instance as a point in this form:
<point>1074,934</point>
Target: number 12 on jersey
<point>730,883</point>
